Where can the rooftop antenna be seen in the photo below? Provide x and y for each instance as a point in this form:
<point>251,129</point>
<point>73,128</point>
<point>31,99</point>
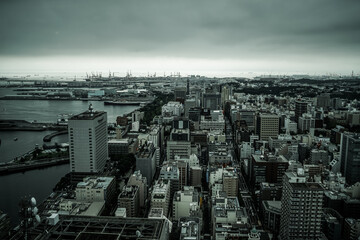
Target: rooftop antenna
<point>91,109</point>
<point>29,214</point>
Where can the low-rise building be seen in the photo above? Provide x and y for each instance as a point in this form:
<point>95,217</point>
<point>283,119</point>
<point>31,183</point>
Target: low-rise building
<point>190,228</point>
<point>93,189</point>
<point>227,216</point>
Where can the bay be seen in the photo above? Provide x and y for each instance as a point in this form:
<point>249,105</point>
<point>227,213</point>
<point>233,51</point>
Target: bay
<point>37,183</point>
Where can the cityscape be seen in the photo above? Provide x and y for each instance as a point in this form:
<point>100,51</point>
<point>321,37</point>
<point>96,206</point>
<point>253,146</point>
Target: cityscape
<point>245,126</point>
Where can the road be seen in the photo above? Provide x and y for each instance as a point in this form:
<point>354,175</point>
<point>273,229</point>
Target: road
<point>244,192</point>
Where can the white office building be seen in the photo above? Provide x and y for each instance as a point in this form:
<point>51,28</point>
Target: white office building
<point>183,201</point>
<point>94,189</point>
<point>88,141</point>
<point>160,196</point>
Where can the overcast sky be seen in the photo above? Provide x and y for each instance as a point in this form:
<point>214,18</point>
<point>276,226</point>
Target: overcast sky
<point>188,36</point>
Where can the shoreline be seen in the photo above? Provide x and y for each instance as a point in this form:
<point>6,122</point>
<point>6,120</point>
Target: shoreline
<point>10,169</point>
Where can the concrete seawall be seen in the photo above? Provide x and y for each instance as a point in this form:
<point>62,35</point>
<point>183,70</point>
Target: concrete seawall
<point>48,138</point>
<point>22,125</point>
<point>9,169</point>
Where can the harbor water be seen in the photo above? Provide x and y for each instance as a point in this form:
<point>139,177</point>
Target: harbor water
<point>37,183</point>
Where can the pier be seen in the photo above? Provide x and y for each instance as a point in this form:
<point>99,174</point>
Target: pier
<point>48,137</point>
<point>22,167</point>
<point>22,125</point>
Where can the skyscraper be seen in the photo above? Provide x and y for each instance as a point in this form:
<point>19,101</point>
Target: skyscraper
<point>301,207</point>
<point>350,157</point>
<point>269,126</point>
<point>300,108</point>
<point>88,141</point>
<point>212,101</point>
<point>225,94</point>
<point>323,100</point>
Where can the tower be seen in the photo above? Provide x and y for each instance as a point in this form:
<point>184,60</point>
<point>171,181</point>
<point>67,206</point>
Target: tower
<point>188,87</point>
<point>300,108</point>
<point>301,207</point>
<point>269,126</point>
<point>88,141</point>
<point>350,157</point>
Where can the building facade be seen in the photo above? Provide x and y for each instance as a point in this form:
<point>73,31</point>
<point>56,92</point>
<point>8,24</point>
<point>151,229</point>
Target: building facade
<point>88,143</point>
<point>350,157</point>
<point>301,207</point>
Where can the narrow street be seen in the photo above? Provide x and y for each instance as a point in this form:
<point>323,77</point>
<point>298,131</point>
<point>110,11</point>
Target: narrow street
<point>244,193</point>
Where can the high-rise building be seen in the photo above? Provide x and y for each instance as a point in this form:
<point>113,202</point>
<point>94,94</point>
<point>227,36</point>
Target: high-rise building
<point>212,101</point>
<point>300,108</point>
<point>187,86</point>
<point>225,94</point>
<point>170,171</point>
<point>118,147</point>
<point>136,116</point>
<point>231,183</point>
<point>93,189</point>
<point>189,103</point>
<point>350,157</point>
<point>160,196</point>
<point>332,224</point>
<point>269,126</point>
<point>184,201</point>
<point>301,207</point>
<point>129,199</point>
<point>178,148</point>
<point>146,161</point>
<point>140,181</point>
<point>248,117</point>
<point>318,156</point>
<point>265,168</point>
<point>180,94</point>
<point>305,122</point>
<point>323,100</point>
<point>88,141</point>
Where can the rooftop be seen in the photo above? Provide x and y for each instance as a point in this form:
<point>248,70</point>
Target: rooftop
<point>95,182</point>
<point>307,186</point>
<point>129,192</point>
<point>90,114</point>
<point>189,230</point>
<point>156,212</point>
<point>79,227</point>
<point>273,206</point>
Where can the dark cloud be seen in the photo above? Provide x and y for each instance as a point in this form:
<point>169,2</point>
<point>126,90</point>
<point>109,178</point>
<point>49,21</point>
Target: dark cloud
<point>251,29</point>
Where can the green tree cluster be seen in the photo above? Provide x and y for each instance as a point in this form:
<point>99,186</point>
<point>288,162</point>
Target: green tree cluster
<point>123,163</point>
<point>153,109</point>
